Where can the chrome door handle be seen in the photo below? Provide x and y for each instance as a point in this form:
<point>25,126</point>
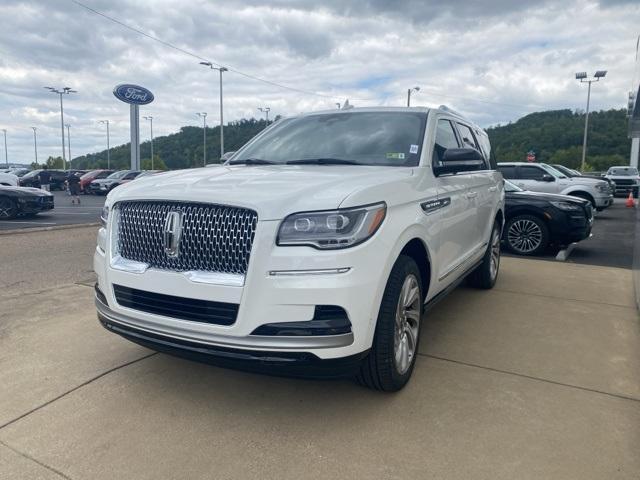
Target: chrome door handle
<point>472,194</point>
<point>493,189</point>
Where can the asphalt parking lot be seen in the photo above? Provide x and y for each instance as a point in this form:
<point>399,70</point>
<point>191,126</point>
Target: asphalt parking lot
<point>64,213</point>
<point>538,378</point>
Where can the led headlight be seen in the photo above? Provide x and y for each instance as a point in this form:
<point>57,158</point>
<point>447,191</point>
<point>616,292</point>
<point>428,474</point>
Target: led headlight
<point>104,216</point>
<point>567,206</point>
<point>333,228</point>
<point>602,187</point>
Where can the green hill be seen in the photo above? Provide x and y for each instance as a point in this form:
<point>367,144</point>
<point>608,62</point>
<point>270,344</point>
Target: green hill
<point>556,137</point>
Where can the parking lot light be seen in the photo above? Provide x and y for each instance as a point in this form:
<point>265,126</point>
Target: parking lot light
<point>108,154</point>
<point>583,77</point>
<point>61,92</point>
<point>6,157</point>
<point>203,115</point>
<point>220,69</point>
<point>414,89</point>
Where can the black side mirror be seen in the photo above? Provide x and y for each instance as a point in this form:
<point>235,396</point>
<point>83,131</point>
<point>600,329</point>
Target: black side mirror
<point>548,178</point>
<point>456,160</point>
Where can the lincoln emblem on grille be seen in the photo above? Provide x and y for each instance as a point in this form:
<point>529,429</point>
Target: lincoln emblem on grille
<point>172,233</point>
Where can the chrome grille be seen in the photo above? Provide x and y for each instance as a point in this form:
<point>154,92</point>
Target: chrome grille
<point>215,238</point>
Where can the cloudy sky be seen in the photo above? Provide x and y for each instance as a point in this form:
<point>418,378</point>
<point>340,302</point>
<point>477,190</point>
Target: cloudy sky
<point>493,60</point>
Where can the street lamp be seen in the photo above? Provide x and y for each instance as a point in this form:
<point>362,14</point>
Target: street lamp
<point>6,157</point>
<point>69,141</point>
<point>150,118</point>
<point>582,76</point>
<point>64,91</point>
<point>266,111</point>
<point>203,115</point>
<point>220,69</point>
<point>35,143</point>
<point>108,154</point>
<point>409,90</point>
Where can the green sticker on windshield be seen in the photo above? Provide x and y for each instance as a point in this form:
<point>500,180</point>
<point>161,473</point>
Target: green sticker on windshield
<point>395,156</point>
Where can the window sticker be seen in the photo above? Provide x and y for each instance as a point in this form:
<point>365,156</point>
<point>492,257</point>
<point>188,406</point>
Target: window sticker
<point>413,149</point>
<point>396,155</point>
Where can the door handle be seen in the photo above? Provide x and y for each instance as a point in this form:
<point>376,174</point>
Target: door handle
<point>493,189</point>
<point>472,194</point>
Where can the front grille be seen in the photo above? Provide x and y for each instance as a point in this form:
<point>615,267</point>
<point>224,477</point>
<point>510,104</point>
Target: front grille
<point>216,313</point>
<point>215,238</point>
<point>589,209</point>
<point>620,182</point>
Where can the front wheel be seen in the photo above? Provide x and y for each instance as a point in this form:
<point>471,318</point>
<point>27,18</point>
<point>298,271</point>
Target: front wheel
<point>526,235</point>
<point>392,357</point>
<point>486,274</point>
<point>8,209</point>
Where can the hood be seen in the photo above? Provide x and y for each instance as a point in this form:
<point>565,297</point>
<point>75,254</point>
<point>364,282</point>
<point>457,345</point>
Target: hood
<point>274,191</point>
<point>550,197</point>
<point>587,180</point>
<point>26,191</point>
<point>106,180</point>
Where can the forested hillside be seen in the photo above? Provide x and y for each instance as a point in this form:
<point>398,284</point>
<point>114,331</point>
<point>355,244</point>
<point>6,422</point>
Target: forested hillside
<point>178,150</point>
<point>556,137</point>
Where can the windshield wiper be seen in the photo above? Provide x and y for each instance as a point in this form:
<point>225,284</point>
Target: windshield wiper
<point>322,161</point>
<point>252,161</point>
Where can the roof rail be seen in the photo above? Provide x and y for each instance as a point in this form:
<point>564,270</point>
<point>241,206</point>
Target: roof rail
<point>450,110</point>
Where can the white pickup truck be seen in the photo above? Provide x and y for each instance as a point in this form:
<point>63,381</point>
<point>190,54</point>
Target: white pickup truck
<point>313,251</point>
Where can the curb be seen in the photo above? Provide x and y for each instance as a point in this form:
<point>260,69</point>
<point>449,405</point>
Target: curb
<point>48,229</point>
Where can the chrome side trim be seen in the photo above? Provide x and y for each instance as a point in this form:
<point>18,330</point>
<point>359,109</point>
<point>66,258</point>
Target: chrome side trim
<point>131,266</point>
<point>431,205</point>
<point>463,261</point>
<point>294,273</point>
<point>215,278</point>
<point>247,342</point>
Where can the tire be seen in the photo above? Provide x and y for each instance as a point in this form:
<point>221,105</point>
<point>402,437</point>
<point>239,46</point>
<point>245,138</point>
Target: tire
<point>388,366</point>
<point>526,235</point>
<point>486,274</point>
<point>8,209</point>
<point>584,196</point>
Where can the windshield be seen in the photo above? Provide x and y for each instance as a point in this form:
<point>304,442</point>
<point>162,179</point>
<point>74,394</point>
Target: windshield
<point>623,171</point>
<point>510,187</point>
<point>552,171</point>
<point>363,138</point>
<point>32,173</point>
<point>118,174</point>
<point>564,170</point>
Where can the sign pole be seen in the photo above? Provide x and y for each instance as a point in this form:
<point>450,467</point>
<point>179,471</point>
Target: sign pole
<point>134,117</point>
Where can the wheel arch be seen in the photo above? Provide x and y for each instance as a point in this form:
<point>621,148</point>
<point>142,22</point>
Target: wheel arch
<point>417,250</point>
<point>577,192</point>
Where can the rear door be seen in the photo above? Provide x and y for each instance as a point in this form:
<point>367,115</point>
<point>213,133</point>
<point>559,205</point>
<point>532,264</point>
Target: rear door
<point>457,210</point>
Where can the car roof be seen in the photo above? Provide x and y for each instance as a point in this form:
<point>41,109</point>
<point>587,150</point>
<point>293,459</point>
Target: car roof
<point>520,163</point>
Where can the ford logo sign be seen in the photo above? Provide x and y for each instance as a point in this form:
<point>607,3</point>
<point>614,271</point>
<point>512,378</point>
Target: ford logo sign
<point>133,94</point>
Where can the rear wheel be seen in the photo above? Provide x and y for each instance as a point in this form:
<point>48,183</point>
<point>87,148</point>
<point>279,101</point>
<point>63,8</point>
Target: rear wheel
<point>392,357</point>
<point>486,274</point>
<point>526,235</point>
<point>8,209</point>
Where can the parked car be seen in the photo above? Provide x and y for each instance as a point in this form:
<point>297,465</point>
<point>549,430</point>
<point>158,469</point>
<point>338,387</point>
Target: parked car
<point>19,172</point>
<point>537,220</point>
<point>18,201</point>
<point>57,179</point>
<point>313,251</point>
<point>581,176</point>
<point>87,178</point>
<point>627,179</point>
<point>8,179</point>
<point>105,185</point>
<point>146,173</point>
<point>540,177</point>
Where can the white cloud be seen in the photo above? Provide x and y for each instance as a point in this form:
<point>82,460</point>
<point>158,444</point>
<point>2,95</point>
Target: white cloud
<point>493,60</point>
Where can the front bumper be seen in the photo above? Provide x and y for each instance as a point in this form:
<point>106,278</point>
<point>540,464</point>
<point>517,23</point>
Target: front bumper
<point>35,205</point>
<point>604,201</point>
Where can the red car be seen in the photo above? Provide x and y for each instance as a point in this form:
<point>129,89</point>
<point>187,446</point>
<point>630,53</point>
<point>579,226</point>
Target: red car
<point>87,178</point>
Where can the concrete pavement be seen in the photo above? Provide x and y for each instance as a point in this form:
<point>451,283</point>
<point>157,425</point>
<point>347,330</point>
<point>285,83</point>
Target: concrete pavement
<point>538,378</point>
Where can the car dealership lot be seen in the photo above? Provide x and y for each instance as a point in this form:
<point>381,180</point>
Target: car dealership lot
<point>539,378</point>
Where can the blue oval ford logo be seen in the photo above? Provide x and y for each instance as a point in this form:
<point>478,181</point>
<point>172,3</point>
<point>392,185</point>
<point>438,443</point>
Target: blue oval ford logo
<point>133,94</point>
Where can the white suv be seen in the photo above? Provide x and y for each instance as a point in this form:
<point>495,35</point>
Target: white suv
<point>314,251</point>
<point>540,177</point>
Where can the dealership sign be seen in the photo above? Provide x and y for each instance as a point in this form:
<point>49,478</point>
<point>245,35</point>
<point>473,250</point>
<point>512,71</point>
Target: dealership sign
<point>133,94</point>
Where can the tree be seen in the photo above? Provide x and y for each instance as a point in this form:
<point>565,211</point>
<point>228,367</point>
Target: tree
<point>55,163</point>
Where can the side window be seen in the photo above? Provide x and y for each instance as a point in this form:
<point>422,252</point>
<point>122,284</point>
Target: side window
<point>530,173</point>
<point>445,138</point>
<point>508,172</point>
<point>130,176</point>
<point>468,139</point>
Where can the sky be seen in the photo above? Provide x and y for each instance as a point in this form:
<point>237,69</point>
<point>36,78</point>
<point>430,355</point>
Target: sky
<point>494,61</point>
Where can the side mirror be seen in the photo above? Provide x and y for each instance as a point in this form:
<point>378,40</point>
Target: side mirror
<point>226,156</point>
<point>548,178</point>
<point>457,160</point>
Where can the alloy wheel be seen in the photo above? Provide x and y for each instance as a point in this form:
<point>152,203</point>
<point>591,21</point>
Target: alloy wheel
<point>495,253</point>
<point>7,209</point>
<point>407,324</point>
<point>524,235</point>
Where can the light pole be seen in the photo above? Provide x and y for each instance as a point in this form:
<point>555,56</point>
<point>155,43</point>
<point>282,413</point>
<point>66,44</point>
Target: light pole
<point>64,91</point>
<point>6,157</point>
<point>409,90</point>
<point>150,118</point>
<point>35,144</point>
<point>108,154</point>
<point>266,111</point>
<point>582,76</point>
<point>338,105</point>
<point>69,141</point>
<point>220,69</point>
<point>203,115</point>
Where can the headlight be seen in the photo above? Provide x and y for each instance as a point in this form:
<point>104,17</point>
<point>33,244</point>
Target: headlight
<point>104,216</point>
<point>602,187</point>
<point>333,228</point>
<point>567,206</point>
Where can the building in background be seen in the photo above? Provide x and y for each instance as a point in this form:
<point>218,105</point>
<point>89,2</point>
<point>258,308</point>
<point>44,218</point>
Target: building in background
<point>634,112</point>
